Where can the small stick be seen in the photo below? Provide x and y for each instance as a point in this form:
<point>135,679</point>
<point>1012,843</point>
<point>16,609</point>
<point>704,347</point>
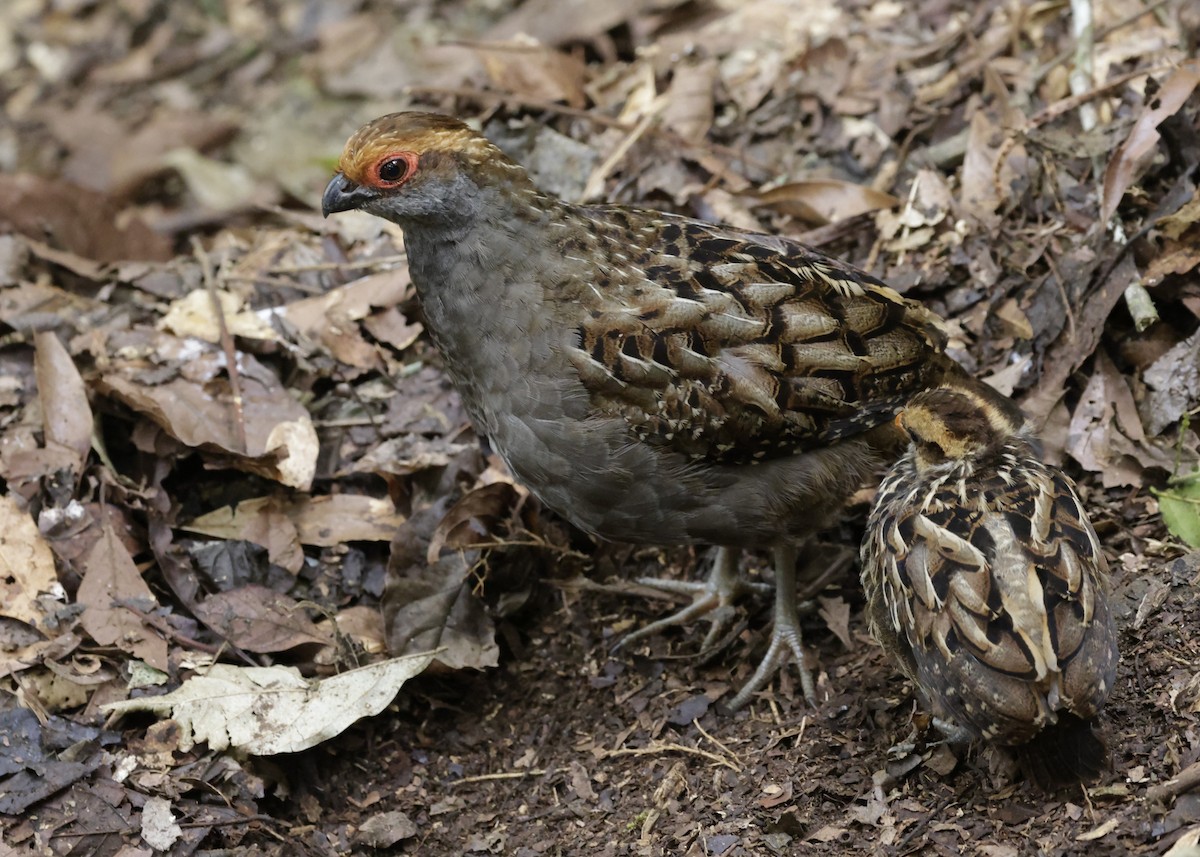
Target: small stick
<point>1184,781</point>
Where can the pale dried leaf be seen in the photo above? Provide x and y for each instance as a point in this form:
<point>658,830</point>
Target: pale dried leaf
<point>262,520</point>
<point>269,710</point>
<point>977,194</point>
<point>1174,385</point>
<point>1187,845</point>
<point>218,186</point>
<point>352,302</point>
<point>195,315</point>
<point>323,521</point>
<point>385,829</point>
<point>1100,831</point>
<point>159,829</point>
<point>1092,434</point>
<point>689,110</point>
<point>334,519</point>
<point>26,567</point>
<point>523,67</point>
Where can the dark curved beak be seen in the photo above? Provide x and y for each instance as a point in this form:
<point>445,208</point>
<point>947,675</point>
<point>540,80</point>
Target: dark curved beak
<point>341,194</point>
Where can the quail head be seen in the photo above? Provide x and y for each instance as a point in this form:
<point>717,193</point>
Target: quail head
<point>651,378</point>
<point>986,584</point>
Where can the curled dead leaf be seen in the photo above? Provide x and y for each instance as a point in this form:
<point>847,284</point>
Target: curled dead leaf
<point>1122,167</point>
<point>821,201</point>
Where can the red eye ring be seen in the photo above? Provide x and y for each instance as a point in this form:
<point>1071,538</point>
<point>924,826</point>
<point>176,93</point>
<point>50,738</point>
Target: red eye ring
<point>394,169</point>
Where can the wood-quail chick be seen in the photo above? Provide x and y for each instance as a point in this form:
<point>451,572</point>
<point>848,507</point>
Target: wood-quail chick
<point>986,583</point>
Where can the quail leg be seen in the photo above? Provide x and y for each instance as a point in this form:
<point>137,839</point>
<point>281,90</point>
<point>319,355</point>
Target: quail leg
<point>712,599</point>
<point>785,637</point>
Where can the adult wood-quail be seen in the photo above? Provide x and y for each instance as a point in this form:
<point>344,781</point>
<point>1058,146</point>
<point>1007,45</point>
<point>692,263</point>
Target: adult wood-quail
<point>986,583</point>
<point>651,378</point>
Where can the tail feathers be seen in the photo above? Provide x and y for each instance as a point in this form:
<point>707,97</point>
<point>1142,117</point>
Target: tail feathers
<point>1064,754</point>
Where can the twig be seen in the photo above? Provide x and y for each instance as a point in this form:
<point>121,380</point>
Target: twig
<point>339,266</point>
<point>658,748</point>
<point>732,755</point>
<point>161,625</point>
<point>1184,781</point>
<point>1082,75</point>
<point>595,182</point>
<point>1062,293</point>
<point>235,382</point>
<point>507,775</point>
<point>1052,111</point>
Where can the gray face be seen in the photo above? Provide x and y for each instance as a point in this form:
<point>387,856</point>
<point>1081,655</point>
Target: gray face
<point>436,193</point>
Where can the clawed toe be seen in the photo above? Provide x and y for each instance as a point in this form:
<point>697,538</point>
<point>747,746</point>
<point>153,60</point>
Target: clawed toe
<point>785,646</point>
<point>712,599</point>
<point>786,642</point>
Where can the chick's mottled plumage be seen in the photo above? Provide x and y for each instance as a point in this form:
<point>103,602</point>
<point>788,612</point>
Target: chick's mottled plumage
<point>651,378</point>
<point>985,581</point>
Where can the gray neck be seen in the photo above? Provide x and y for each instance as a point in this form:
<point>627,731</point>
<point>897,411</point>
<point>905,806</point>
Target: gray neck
<point>480,282</point>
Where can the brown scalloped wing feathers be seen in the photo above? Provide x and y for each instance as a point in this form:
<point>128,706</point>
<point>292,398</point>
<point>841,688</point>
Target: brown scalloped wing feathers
<point>732,346</point>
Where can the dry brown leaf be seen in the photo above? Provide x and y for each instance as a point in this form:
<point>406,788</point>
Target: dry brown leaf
<point>353,301</point>
<point>362,625</point>
<point>432,606</point>
<point>1068,352</point>
<point>1092,435</point>
<point>66,414</point>
<point>552,22</point>
<point>282,525</point>
<point>836,613</point>
<point>978,195</point>
<point>689,110</point>
<point>262,520</point>
<point>1174,225</point>
<point>473,519</point>
<point>821,201</point>
<point>109,577</point>
<point>1015,321</point>
<point>26,567</point>
<point>526,68</point>
<point>281,442</point>
<point>338,518</point>
<point>110,158</point>
<point>77,220</point>
<point>1174,385</point>
<point>258,619</point>
<point>1123,166</point>
<point>390,326</point>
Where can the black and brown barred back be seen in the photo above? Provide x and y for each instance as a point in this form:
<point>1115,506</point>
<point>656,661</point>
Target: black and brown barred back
<point>986,582</point>
<point>731,347</point>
